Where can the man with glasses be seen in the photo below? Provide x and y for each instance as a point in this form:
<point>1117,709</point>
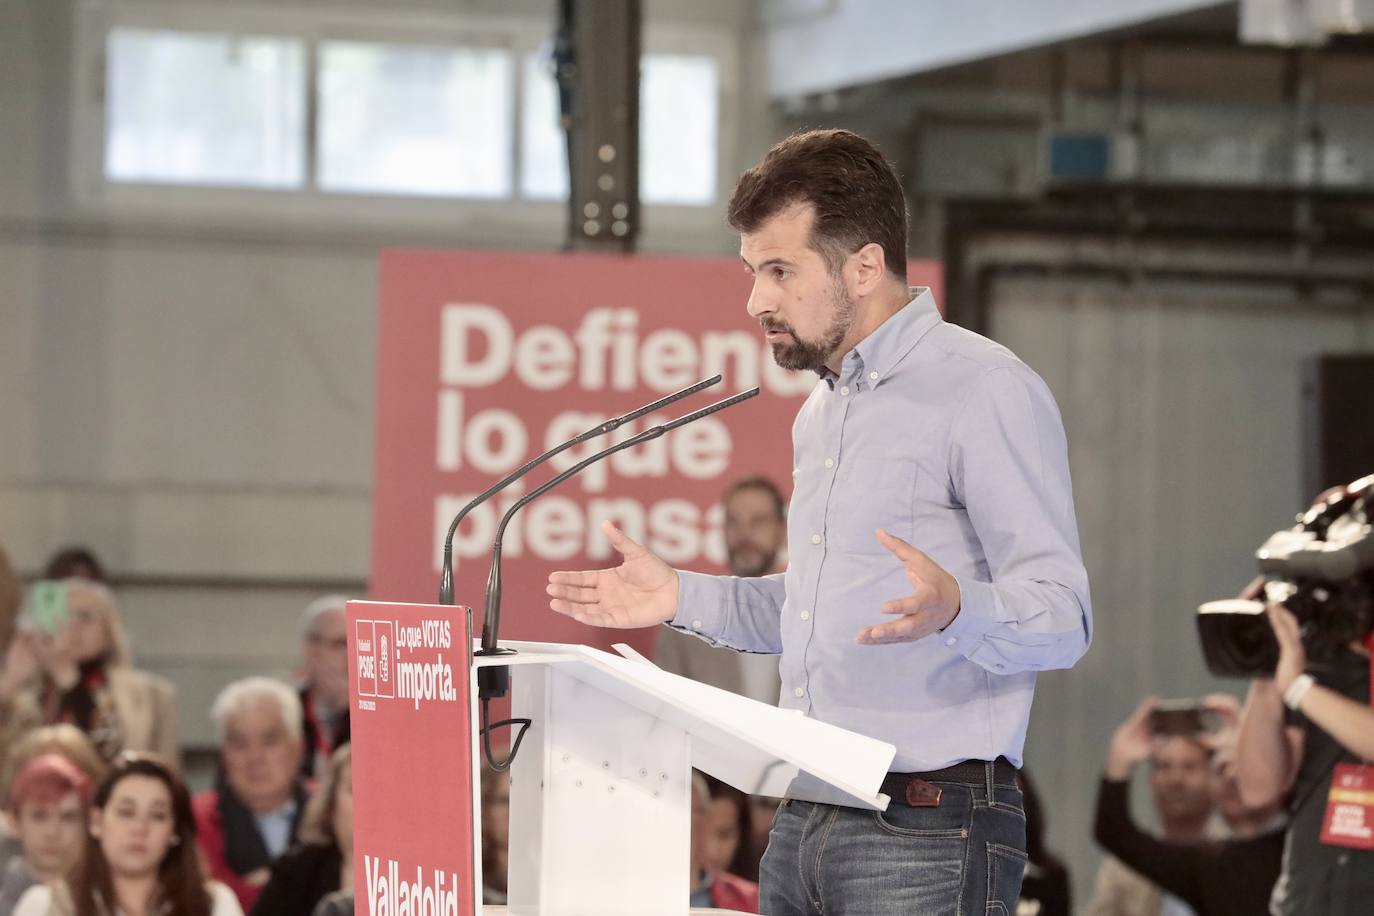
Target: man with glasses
<point>324,680</point>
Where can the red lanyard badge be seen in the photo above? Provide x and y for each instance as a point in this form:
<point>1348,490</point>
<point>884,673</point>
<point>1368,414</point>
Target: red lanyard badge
<point>1349,819</point>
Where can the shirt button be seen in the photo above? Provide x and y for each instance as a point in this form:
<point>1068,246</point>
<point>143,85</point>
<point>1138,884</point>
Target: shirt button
<point>798,692</point>
<point>951,641</point>
<point>873,376</point>
<point>830,462</point>
<point>815,538</point>
<point>696,624</point>
<point>845,391</point>
<point>805,615</point>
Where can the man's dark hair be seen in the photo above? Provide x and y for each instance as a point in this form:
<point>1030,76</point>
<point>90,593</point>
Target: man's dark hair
<point>759,483</point>
<point>855,191</point>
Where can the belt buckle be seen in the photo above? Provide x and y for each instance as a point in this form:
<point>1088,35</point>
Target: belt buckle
<point>921,794</point>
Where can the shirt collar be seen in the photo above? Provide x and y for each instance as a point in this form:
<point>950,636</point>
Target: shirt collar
<point>285,811</point>
<point>880,352</point>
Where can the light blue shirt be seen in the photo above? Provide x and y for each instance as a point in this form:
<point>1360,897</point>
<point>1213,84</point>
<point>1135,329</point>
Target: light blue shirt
<point>950,442</point>
<point>275,828</point>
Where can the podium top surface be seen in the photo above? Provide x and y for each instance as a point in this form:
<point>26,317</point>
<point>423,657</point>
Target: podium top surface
<point>757,748</point>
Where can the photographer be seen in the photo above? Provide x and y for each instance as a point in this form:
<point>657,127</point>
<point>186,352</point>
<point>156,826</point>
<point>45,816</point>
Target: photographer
<point>1334,731</point>
<point>1308,728</point>
<point>1214,877</point>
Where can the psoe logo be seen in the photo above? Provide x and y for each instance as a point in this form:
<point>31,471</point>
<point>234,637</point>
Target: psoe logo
<point>366,673</point>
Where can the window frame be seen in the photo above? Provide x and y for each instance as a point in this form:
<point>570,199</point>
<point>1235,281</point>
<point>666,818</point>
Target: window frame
<point>515,219</point>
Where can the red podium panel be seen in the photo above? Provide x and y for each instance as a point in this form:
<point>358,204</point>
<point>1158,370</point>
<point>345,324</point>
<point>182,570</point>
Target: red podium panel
<point>413,792</point>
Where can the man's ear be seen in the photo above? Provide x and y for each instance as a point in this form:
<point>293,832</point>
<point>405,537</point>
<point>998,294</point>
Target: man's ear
<point>867,269</point>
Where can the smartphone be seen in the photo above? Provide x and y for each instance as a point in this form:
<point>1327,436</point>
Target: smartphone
<point>1182,717</point>
<point>48,605</point>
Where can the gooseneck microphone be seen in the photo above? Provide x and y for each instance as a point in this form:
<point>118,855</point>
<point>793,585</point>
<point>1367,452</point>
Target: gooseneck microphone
<point>492,620</point>
<point>493,681</point>
<point>446,577</point>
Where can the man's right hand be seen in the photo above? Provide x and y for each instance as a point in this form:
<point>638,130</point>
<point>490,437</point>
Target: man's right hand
<point>1131,742</point>
<point>640,592</point>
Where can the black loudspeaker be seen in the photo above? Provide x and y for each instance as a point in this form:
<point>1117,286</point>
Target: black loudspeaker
<point>1338,420</point>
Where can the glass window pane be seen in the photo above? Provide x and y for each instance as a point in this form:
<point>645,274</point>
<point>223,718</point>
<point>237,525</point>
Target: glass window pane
<point>543,149</point>
<point>678,105</point>
<point>402,119</point>
<point>204,108</point>
<point>678,99</point>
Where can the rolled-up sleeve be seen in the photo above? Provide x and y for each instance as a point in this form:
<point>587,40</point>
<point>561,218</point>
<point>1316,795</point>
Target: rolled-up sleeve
<point>1009,465</point>
<point>739,613</point>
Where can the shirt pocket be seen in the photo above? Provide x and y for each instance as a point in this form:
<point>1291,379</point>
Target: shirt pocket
<point>872,493</point>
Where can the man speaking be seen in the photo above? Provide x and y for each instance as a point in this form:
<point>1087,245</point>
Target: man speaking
<point>917,433</point>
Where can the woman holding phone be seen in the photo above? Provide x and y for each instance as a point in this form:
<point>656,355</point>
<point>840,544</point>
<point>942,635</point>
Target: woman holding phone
<point>141,856</point>
<point>70,663</point>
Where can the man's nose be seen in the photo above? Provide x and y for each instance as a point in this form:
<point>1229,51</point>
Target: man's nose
<point>759,303</point>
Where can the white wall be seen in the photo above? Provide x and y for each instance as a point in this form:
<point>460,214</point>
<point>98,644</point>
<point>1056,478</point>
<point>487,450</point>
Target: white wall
<point>190,391</point>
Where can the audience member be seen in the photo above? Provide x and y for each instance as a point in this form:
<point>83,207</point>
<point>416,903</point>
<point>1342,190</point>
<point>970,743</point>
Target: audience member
<point>1045,887</point>
<point>64,740</point>
<point>15,719</point>
<point>75,562</point>
<point>1299,730</point>
<point>83,674</point>
<point>47,804</point>
<point>11,594</point>
<point>140,857</point>
<point>495,833</point>
<point>1213,877</point>
<point>1180,782</point>
<point>729,834</point>
<point>324,680</point>
<point>252,815</point>
<point>763,809</point>
<point>322,862</point>
<point>712,887</point>
<point>339,903</point>
<point>755,540</point>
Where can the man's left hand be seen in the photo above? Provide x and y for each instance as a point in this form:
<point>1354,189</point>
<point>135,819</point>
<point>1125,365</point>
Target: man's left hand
<point>932,605</point>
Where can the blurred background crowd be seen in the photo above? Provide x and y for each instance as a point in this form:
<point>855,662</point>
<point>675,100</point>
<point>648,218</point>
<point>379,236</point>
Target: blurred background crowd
<point>271,825</point>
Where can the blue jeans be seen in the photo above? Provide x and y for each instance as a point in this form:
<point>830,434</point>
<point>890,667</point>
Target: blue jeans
<point>965,856</point>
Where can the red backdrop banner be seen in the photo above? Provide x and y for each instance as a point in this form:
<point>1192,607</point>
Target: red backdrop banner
<point>486,359</point>
<point>411,725</point>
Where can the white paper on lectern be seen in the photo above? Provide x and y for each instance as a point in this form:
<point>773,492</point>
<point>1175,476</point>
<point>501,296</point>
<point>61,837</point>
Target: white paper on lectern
<point>756,748</point>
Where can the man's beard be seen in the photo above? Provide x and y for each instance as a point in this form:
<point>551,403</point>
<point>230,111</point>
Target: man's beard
<point>813,354</point>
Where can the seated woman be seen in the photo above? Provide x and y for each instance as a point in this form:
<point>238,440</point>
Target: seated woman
<point>83,674</point>
<point>140,857</point>
<point>712,887</point>
<point>66,741</point>
<point>323,861</point>
<point>729,832</point>
<point>47,806</point>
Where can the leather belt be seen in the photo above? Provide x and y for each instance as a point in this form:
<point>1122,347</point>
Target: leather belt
<point>916,789</point>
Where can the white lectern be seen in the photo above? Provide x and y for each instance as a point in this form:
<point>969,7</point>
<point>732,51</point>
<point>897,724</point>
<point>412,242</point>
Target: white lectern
<point>600,807</point>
